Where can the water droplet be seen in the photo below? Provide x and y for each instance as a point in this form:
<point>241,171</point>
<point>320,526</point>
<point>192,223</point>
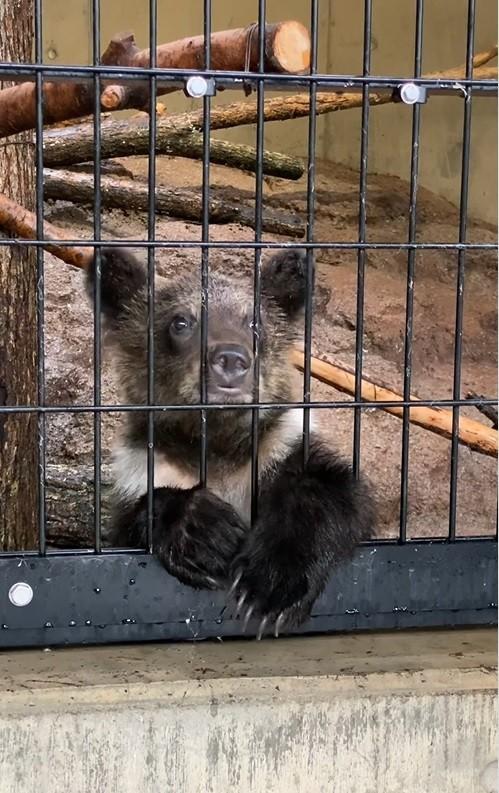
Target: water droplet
<point>132,581</point>
<point>48,625</point>
<point>4,627</point>
<point>219,621</point>
<point>97,589</point>
<point>88,622</point>
<point>72,623</point>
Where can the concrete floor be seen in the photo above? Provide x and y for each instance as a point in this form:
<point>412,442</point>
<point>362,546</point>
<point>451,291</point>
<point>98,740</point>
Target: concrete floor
<point>338,661</point>
<point>399,712</point>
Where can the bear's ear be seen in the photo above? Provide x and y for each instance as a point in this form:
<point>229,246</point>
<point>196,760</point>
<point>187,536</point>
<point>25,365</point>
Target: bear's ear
<point>122,276</point>
<point>284,279</point>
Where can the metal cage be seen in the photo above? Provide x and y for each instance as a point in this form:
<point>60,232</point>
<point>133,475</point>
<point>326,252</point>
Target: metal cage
<point>101,595</point>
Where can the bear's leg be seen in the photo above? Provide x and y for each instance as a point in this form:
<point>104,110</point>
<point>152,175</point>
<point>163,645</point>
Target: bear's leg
<point>309,520</point>
<point>195,536</point>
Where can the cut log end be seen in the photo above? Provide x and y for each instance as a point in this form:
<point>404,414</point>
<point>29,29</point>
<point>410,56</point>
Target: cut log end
<point>291,48</point>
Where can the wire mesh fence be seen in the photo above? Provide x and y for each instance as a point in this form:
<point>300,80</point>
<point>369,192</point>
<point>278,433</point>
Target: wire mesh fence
<point>106,594</point>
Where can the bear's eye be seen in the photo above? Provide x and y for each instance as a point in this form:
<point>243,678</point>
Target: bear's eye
<point>181,324</point>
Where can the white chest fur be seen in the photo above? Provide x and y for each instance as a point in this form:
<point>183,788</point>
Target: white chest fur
<point>229,483</point>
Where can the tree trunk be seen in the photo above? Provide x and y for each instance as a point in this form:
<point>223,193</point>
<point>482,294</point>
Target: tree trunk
<point>18,338</point>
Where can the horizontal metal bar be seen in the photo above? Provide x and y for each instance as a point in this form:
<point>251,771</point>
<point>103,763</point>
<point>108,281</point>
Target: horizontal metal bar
<point>381,541</point>
<point>18,72</point>
<point>346,403</point>
<point>378,541</point>
<point>118,598</point>
<point>341,246</point>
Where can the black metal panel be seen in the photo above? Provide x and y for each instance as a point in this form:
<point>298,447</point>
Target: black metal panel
<point>120,598</point>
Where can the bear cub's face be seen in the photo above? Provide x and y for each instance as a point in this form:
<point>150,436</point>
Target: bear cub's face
<point>229,335</point>
<point>230,330</point>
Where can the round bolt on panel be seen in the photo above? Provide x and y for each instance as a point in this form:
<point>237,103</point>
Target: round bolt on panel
<point>20,594</point>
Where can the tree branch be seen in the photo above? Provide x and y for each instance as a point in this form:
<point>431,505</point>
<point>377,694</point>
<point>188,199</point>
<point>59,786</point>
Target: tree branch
<point>72,145</point>
<point>121,193</point>
<point>471,433</point>
<point>487,410</point>
<point>19,222</point>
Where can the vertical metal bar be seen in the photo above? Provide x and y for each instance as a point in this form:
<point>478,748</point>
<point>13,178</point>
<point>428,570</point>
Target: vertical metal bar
<point>310,276</point>
<point>361,255</point>
<point>40,287</point>
<point>151,235</point>
<point>411,260</point>
<point>205,253</point>
<point>461,260</point>
<point>97,279</point>
<point>260,133</point>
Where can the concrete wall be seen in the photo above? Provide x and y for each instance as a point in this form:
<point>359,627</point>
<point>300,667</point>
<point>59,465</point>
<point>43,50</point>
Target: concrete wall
<point>67,36</point>
<point>393,713</point>
<point>444,45</point>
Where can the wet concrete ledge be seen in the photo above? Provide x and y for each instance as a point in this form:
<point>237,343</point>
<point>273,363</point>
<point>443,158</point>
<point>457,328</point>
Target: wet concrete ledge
<point>411,712</point>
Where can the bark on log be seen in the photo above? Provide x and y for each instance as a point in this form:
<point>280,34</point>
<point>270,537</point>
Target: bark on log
<point>18,336</point>
<point>61,101</point>
<point>72,145</point>
<point>471,433</point>
<point>70,507</point>
<point>128,194</point>
<point>21,223</point>
<point>287,50</point>
<point>489,411</point>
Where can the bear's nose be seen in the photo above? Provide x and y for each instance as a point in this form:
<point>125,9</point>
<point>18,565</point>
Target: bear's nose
<point>229,363</point>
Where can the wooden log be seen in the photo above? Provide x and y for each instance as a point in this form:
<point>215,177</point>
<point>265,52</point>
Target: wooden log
<point>287,50</point>
<point>439,420</point>
<point>130,194</point>
<point>61,100</point>
<point>70,508</point>
<point>73,145</point>
<point>20,222</point>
